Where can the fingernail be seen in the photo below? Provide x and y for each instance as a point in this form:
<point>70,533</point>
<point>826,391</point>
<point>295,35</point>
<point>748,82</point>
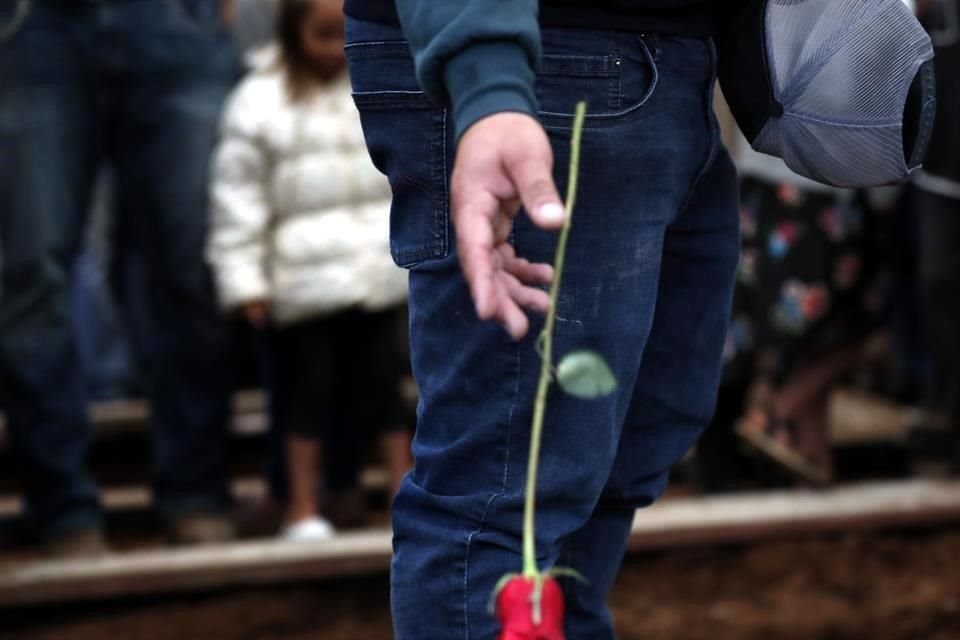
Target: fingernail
<point>552,213</point>
<point>482,305</point>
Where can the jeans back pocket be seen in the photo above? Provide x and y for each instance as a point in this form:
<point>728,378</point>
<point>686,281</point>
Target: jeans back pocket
<point>407,138</point>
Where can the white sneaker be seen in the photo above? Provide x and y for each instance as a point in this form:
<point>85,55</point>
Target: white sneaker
<point>313,529</point>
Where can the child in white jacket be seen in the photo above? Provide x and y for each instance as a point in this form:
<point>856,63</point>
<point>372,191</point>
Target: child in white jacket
<point>299,243</point>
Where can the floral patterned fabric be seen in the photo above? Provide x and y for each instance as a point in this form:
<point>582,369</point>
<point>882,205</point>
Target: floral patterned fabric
<point>807,280</point>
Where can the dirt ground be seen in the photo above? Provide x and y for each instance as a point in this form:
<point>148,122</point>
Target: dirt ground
<point>869,587</point>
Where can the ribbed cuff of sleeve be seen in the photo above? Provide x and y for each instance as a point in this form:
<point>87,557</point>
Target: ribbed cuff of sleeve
<point>488,78</point>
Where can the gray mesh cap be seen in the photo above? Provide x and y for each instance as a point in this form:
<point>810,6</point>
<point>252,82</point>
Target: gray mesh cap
<point>841,90</point>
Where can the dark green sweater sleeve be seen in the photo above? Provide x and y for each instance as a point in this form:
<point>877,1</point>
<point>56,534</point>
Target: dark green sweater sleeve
<point>477,54</point>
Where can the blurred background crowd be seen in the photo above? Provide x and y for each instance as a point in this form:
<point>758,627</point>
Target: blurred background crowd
<point>187,210</point>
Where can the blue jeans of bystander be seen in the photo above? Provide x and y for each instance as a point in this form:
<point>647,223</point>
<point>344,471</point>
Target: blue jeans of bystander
<point>140,83</point>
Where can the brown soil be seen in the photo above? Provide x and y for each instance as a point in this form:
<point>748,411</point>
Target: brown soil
<point>880,587</point>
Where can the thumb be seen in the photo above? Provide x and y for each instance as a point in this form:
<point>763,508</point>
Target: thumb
<point>533,179</point>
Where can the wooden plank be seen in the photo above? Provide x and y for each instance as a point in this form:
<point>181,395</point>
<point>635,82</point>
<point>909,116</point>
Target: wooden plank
<point>754,516</point>
<point>194,569</point>
<point>679,521</point>
<point>138,498</point>
<point>133,416</point>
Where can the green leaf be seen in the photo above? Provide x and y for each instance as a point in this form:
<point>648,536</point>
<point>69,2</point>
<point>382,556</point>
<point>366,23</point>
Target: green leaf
<point>585,374</point>
<point>567,572</point>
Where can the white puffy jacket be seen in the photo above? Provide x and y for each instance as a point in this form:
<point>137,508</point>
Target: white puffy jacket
<point>300,216</point>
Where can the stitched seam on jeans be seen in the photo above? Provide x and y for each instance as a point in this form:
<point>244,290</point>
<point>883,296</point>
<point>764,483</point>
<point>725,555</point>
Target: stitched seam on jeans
<point>615,90</point>
<point>377,47</point>
<point>493,498</point>
<point>418,254</point>
<point>382,100</point>
<point>438,175</point>
<point>578,66</point>
<point>714,133</point>
<point>445,212</point>
<point>466,566</point>
<point>513,408</point>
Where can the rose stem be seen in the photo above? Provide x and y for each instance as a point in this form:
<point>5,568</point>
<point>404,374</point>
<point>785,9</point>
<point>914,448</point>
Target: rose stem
<point>530,569</point>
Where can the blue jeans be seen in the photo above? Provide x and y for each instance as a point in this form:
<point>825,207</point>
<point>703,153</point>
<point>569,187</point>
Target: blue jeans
<point>648,283</point>
<point>102,343</point>
<point>139,83</point>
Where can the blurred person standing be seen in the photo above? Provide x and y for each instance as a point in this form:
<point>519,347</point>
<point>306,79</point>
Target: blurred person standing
<point>300,245</point>
<point>140,83</point>
<point>938,205</point>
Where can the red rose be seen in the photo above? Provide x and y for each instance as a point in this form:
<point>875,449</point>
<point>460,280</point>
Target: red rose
<point>523,618</point>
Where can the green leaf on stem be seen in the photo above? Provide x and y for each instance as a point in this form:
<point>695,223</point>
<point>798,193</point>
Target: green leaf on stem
<point>586,375</point>
<point>567,572</point>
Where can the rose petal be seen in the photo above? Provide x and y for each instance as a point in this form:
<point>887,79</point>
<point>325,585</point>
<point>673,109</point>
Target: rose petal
<point>515,611</point>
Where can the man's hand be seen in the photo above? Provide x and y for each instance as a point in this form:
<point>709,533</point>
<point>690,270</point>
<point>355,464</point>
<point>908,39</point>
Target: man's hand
<point>504,161</point>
